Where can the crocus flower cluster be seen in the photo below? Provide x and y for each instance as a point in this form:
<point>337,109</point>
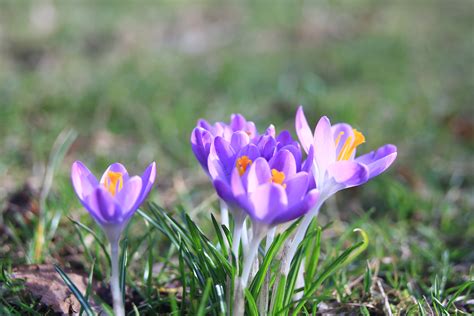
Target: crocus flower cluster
<point>270,179</point>
<point>265,177</point>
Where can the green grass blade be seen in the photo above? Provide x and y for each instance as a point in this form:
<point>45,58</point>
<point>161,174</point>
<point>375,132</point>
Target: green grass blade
<point>205,296</point>
<point>84,304</point>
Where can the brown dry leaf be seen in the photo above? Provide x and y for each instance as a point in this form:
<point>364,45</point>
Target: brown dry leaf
<point>43,281</point>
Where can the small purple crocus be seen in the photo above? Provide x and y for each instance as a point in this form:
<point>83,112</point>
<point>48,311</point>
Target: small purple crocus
<point>115,198</point>
<point>335,161</point>
<point>268,182</point>
<point>270,192</point>
<point>335,165</point>
<point>111,202</point>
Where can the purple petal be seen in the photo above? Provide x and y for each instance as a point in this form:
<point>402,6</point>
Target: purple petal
<point>103,207</point>
<point>251,130</point>
<point>83,181</point>
<point>204,124</point>
<point>238,122</point>
<point>129,198</point>
<point>226,156</point>
<point>284,139</point>
<point>296,188</point>
<point>345,131</point>
<point>239,140</point>
<point>284,161</point>
<point>250,151</point>
<point>379,160</point>
<point>201,140</point>
<point>115,167</point>
<point>324,149</point>
<point>148,179</point>
<point>270,131</point>
<point>296,152</point>
<point>308,163</point>
<point>259,173</point>
<point>267,146</point>
<point>302,130</point>
<point>224,191</point>
<point>236,184</point>
<point>267,201</point>
<point>299,209</point>
<point>348,173</point>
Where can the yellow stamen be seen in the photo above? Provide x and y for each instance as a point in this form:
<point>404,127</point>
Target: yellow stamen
<point>112,180</point>
<point>242,164</point>
<point>278,177</point>
<point>338,139</point>
<point>350,145</point>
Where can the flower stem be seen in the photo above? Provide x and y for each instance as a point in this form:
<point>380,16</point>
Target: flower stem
<point>241,283</point>
<point>119,309</point>
<point>224,214</point>
<point>300,233</point>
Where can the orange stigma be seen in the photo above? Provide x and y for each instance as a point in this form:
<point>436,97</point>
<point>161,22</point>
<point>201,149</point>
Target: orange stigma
<point>350,144</point>
<point>278,177</point>
<point>113,182</point>
<point>242,164</point>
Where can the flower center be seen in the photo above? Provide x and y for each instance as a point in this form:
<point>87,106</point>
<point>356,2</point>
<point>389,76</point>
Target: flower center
<point>113,182</point>
<point>242,164</point>
<point>350,144</point>
<point>278,177</point>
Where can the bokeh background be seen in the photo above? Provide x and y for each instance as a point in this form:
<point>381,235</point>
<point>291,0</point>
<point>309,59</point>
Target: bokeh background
<point>133,78</point>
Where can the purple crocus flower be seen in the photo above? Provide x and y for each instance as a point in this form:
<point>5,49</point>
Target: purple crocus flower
<point>204,133</point>
<point>336,166</point>
<point>115,198</point>
<point>270,192</point>
<point>111,202</point>
<point>335,161</point>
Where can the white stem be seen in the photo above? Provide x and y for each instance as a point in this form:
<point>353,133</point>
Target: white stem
<point>224,214</point>
<point>300,233</point>
<point>245,237</point>
<point>119,309</point>
<point>270,238</point>
<point>252,253</point>
<point>241,283</point>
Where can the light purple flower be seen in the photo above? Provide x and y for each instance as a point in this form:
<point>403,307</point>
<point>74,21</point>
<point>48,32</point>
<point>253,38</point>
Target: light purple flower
<point>335,161</point>
<point>204,134</point>
<point>270,191</point>
<point>115,198</point>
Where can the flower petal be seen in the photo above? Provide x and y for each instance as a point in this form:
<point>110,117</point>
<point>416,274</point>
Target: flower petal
<point>115,167</point>
<point>324,148</point>
<point>285,162</point>
<point>103,207</point>
<point>379,160</point>
<point>302,130</point>
<point>348,173</point>
<point>341,131</point>
<point>299,209</point>
<point>308,163</point>
<point>267,201</point>
<point>201,140</point>
<point>238,122</point>
<point>130,198</point>
<point>258,174</point>
<point>296,188</point>
<point>83,181</point>
<point>148,179</point>
<point>225,156</point>
<point>239,140</point>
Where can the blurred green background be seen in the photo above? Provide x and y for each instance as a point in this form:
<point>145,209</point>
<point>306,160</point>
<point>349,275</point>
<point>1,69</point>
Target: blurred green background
<point>133,79</point>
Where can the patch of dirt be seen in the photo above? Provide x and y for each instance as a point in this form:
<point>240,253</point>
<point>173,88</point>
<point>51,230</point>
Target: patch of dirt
<point>44,282</point>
